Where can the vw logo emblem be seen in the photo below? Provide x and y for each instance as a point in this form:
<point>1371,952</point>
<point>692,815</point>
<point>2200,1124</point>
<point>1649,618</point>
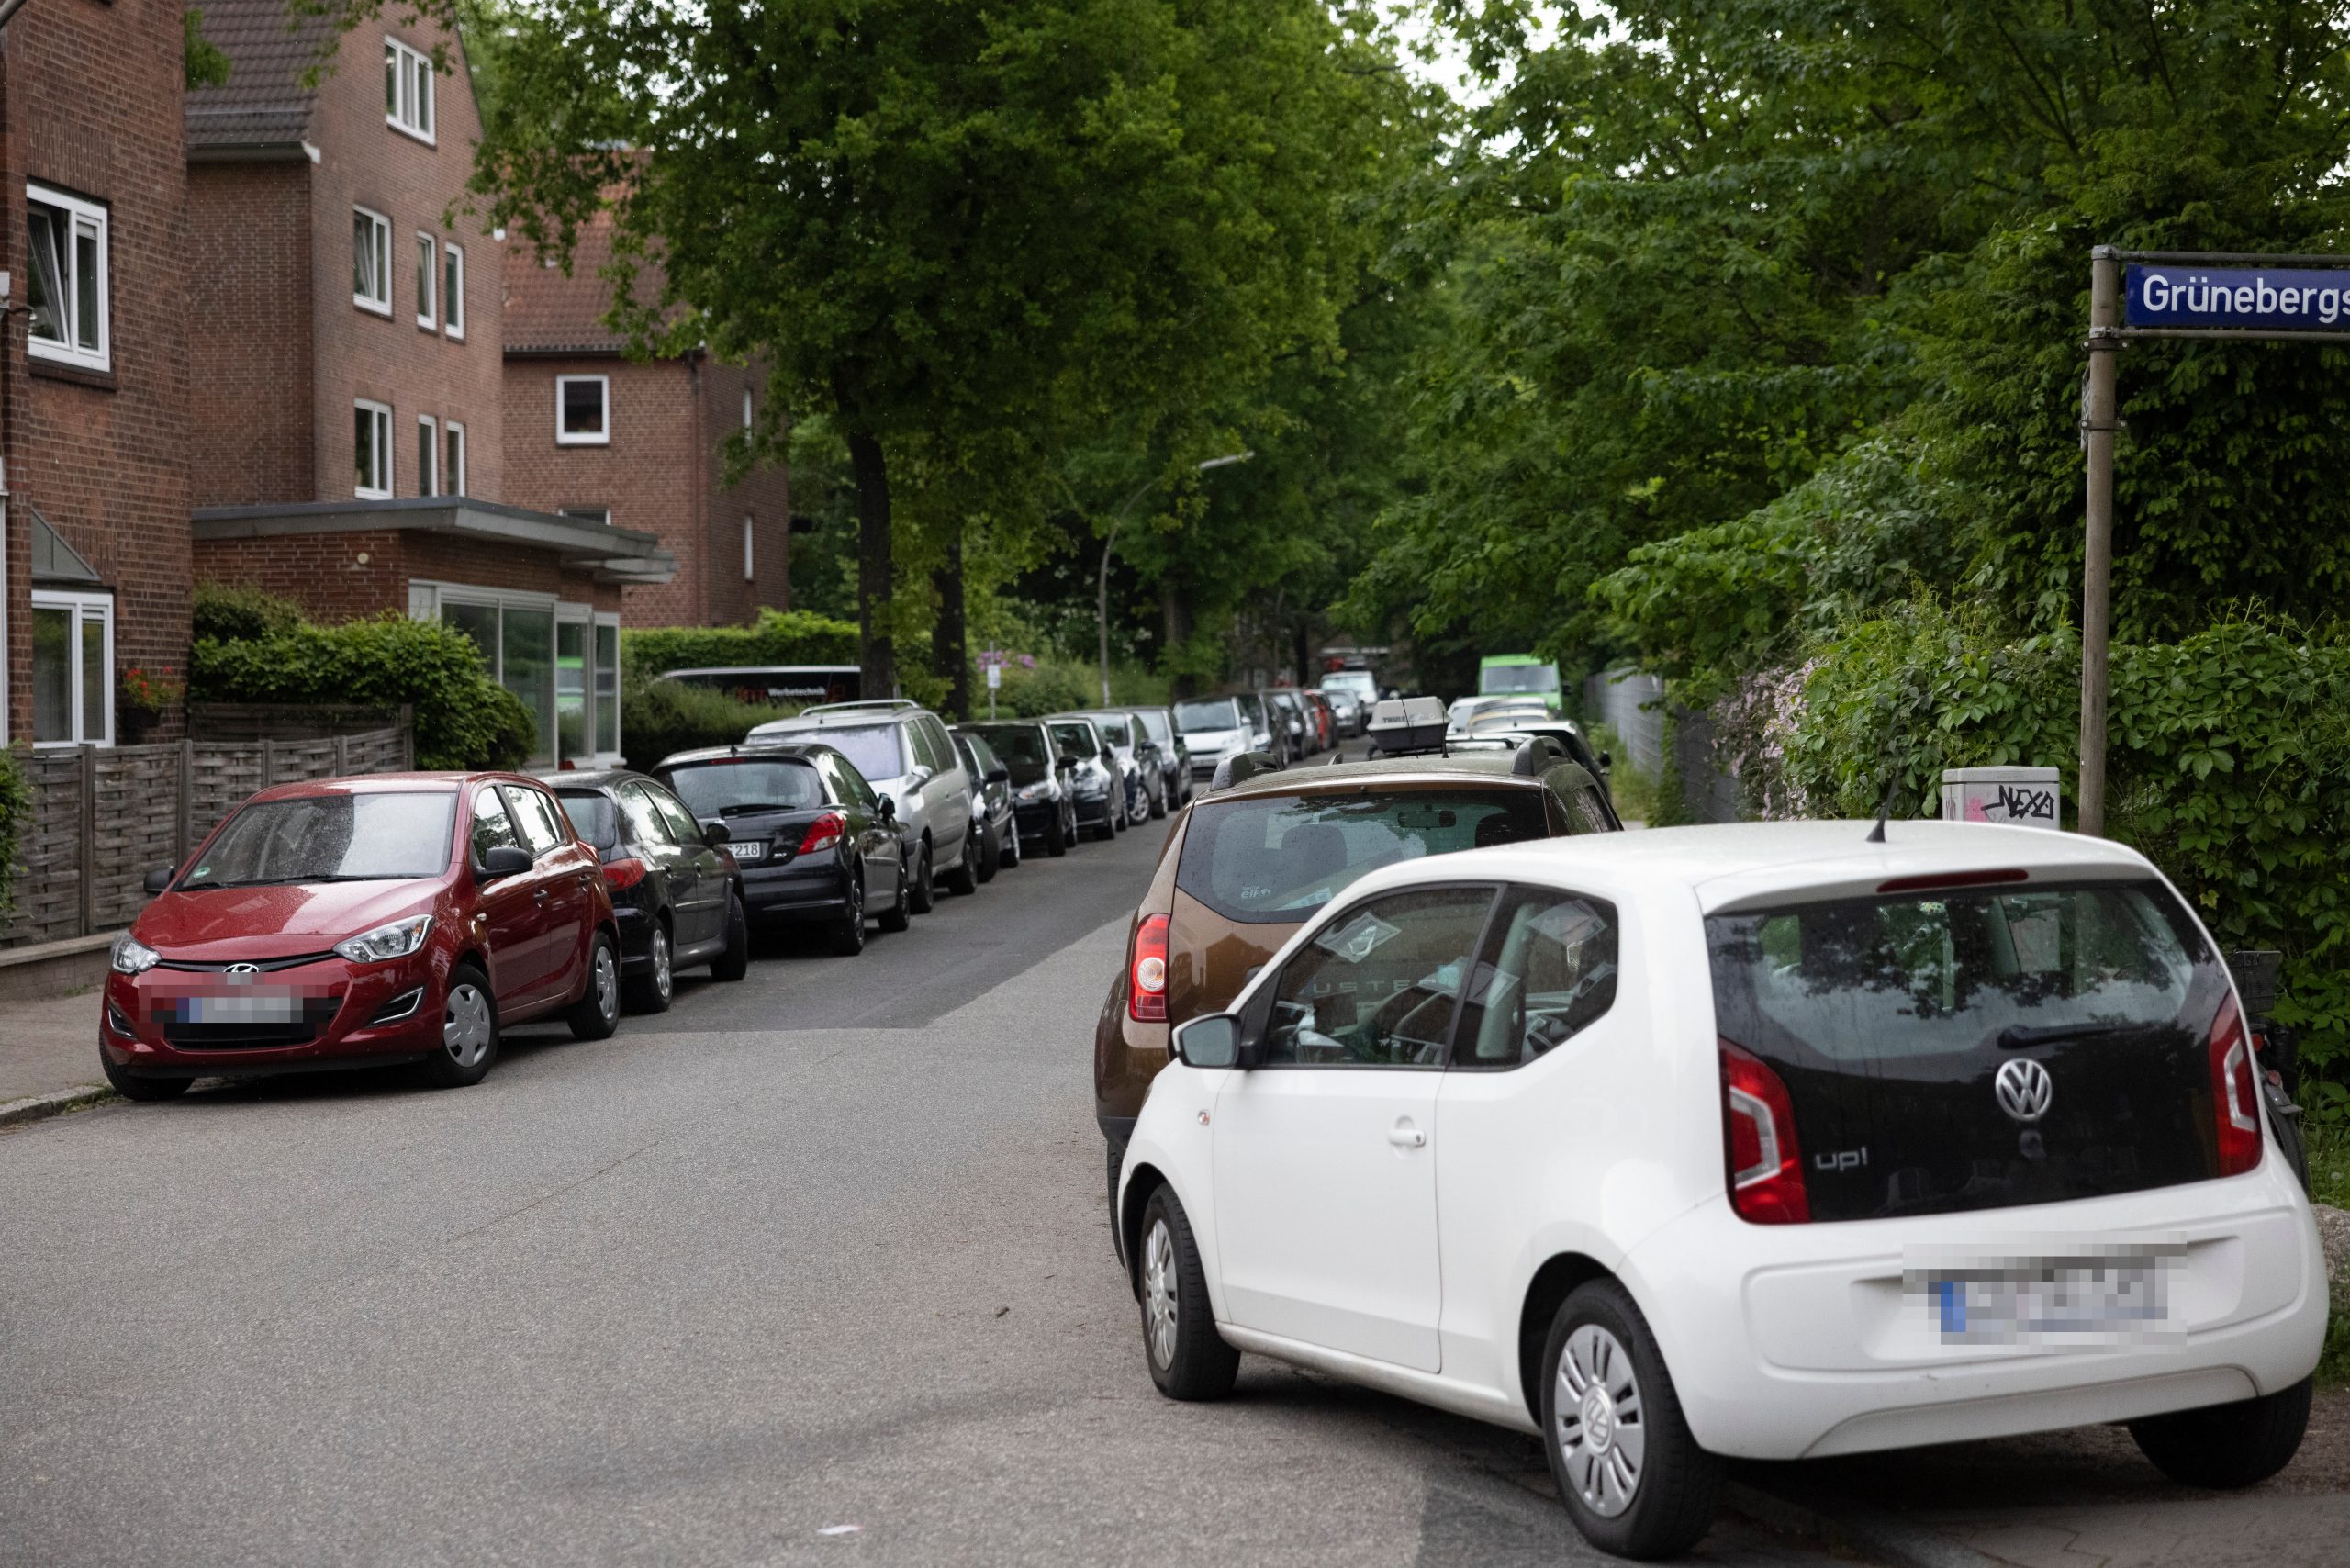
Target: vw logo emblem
<point>2023,1088</point>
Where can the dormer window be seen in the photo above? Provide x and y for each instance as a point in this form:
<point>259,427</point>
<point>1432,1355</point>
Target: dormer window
<point>407,89</point>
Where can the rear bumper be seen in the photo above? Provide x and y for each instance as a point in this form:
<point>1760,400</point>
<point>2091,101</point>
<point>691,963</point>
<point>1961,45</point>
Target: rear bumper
<point>796,890</point>
<point>1788,1345</point>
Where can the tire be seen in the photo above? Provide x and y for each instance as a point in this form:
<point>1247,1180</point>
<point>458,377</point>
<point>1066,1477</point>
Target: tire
<point>1188,1359</point>
<point>146,1090</point>
<point>1118,817</point>
<point>921,897</point>
<point>2223,1447</point>
<point>733,960</point>
<point>848,938</point>
<point>597,1013</point>
<point>1639,1487</point>
<point>468,1031</point>
<point>990,856</point>
<point>652,991</point>
<point>1012,853</point>
<point>897,917</point>
<point>1159,800</point>
<point>1056,841</point>
<point>964,880</point>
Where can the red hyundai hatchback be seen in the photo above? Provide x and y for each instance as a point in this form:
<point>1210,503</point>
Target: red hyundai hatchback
<point>362,922</point>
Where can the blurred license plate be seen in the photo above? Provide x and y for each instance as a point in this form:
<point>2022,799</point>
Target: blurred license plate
<point>749,851</point>
<point>255,1006</point>
<point>2062,1298</point>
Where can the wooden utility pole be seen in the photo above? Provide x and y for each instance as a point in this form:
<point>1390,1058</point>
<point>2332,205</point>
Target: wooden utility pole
<point>2100,410</point>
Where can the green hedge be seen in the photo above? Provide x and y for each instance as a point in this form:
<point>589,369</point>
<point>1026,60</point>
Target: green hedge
<point>659,717</point>
<point>224,609</point>
<point>16,810</point>
<point>2228,766</point>
<point>463,718</point>
<point>777,637</point>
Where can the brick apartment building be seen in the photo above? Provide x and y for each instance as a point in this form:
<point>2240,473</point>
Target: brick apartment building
<point>93,364</point>
<point>348,431</point>
<point>640,444</point>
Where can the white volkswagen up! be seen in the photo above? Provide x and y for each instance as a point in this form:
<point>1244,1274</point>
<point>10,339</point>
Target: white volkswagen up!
<point>1759,1141</point>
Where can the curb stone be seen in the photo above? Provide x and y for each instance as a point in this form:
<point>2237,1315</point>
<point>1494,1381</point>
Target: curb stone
<point>39,1107</point>
<point>1862,1532</point>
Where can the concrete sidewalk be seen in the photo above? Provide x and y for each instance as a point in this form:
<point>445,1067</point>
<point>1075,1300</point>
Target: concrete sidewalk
<point>49,1046</point>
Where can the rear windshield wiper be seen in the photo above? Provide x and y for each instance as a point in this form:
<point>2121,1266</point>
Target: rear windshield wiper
<point>2016,1036</point>
<point>744,810</point>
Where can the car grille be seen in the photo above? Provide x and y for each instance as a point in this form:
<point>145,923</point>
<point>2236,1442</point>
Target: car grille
<point>265,966</point>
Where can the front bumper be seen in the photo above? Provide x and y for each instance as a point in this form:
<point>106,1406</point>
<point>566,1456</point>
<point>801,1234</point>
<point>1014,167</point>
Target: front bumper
<point>1094,809</point>
<point>190,1023</point>
<point>1035,818</point>
<point>1800,1341</point>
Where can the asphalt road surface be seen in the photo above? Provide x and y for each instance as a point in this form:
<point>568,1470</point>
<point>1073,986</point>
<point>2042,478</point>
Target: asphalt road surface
<point>813,1269</point>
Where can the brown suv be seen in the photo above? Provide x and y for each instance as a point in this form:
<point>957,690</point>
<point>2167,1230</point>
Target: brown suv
<point>1246,866</point>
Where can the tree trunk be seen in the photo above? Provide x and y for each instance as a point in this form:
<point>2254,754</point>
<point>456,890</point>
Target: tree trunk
<point>949,652</point>
<point>877,652</point>
<point>1304,646</point>
<point>1177,613</point>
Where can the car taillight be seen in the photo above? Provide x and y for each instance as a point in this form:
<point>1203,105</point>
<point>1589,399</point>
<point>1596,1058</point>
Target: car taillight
<point>1146,995</point>
<point>2236,1092</point>
<point>621,874</point>
<point>1759,1146</point>
<point>824,832</point>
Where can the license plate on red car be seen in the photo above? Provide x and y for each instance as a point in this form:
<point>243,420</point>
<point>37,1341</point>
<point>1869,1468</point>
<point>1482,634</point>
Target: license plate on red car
<point>252,1005</point>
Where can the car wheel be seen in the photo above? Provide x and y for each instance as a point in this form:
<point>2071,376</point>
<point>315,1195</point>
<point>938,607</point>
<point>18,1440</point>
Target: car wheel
<point>651,991</point>
<point>1635,1482</point>
<point>597,1012</point>
<point>1189,1360</point>
<point>1158,801</point>
<point>990,855</point>
<point>898,916</point>
<point>1119,814</point>
<point>848,932</point>
<point>921,897</point>
<point>733,960</point>
<point>1056,841</point>
<point>133,1086</point>
<point>1011,850</point>
<point>1108,830</point>
<point>964,880</point>
<point>468,1031</point>
<point>2222,1447</point>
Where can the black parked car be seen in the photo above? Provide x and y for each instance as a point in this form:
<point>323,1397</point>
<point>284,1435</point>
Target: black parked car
<point>818,844</point>
<point>1044,783</point>
<point>991,815</point>
<point>675,891</point>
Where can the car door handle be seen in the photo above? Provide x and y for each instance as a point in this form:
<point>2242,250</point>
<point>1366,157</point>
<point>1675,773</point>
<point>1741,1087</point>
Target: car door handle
<point>1403,1135</point>
<point>539,896</point>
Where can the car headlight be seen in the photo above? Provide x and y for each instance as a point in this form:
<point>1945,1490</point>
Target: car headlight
<point>397,940</point>
<point>132,957</point>
<point>1040,791</point>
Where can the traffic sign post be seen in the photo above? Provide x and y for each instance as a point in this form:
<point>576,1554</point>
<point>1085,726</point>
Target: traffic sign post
<point>2171,294</point>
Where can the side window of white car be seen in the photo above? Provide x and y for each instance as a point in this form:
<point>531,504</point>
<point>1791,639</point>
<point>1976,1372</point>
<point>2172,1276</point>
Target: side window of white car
<point>1547,973</point>
<point>926,750</point>
<point>1378,986</point>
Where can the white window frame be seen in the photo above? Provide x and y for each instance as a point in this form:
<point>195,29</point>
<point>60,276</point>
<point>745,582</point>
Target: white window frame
<point>383,425</point>
<point>452,292</point>
<point>79,215</point>
<point>427,479</point>
<point>409,86</point>
<point>750,557</point>
<point>381,231</point>
<point>603,619</point>
<point>453,463</point>
<point>84,606</point>
<point>602,437</point>
<point>746,408</point>
<point>427,255</point>
<point>427,598</point>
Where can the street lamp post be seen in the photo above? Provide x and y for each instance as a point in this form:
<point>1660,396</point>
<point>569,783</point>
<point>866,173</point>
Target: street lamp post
<point>1118,521</point>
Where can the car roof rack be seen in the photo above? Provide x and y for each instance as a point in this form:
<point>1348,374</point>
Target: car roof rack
<point>867,702</point>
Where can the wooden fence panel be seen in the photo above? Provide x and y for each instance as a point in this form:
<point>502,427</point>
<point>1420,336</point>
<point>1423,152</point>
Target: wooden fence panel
<point>49,852</point>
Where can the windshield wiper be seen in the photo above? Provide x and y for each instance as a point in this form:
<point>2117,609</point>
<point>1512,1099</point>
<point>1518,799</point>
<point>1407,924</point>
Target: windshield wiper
<point>299,881</point>
<point>2016,1036</point>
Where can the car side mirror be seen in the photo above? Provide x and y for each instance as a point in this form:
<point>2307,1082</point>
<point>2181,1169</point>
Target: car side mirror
<point>1210,1041</point>
<point>504,860</point>
<point>998,775</point>
<point>888,809</point>
<point>922,775</point>
<point>159,879</point>
<point>716,834</point>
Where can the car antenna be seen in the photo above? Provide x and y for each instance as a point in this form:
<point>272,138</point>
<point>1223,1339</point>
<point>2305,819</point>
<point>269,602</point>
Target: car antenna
<point>1885,807</point>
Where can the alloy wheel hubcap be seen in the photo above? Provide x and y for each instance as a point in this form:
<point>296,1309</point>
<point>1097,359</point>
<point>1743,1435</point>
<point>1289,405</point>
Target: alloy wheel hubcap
<point>662,977</point>
<point>608,983</point>
<point>1603,1437</point>
<point>1159,1294</point>
<point>464,1025</point>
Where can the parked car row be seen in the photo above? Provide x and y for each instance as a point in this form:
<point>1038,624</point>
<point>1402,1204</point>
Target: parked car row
<point>410,919</point>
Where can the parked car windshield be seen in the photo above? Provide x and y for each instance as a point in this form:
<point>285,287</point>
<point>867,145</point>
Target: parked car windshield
<point>1267,858</point>
<point>728,785</point>
<point>1078,738</point>
<point>1022,744</point>
<point>1154,722</point>
<point>1518,677</point>
<point>330,838</point>
<point>1355,680</point>
<point>593,815</point>
<point>1207,714</point>
<point>875,748</point>
<point>1113,730</point>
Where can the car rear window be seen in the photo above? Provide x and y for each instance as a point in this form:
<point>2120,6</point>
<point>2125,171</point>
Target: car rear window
<point>874,748</point>
<point>1214,714</point>
<point>1279,858</point>
<point>738,785</point>
<point>592,814</point>
<point>330,838</point>
<point>1889,1020</point>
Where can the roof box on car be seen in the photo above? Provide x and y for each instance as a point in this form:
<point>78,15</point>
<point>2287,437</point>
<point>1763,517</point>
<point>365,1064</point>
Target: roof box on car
<point>1401,726</point>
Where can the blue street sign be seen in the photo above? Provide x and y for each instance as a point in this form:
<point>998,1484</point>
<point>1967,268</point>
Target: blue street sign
<point>2247,299</point>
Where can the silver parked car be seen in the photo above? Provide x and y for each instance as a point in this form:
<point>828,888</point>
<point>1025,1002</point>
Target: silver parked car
<point>904,750</point>
<point>1138,765</point>
<point>1174,756</point>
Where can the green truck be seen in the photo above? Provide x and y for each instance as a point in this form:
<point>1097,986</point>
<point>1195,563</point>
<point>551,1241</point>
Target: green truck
<point>1500,674</point>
